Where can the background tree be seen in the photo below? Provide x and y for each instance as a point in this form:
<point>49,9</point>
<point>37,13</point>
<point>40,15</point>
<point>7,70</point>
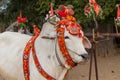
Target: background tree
<point>35,11</point>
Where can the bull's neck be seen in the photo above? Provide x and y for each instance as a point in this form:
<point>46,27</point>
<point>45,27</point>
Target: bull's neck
<point>45,50</point>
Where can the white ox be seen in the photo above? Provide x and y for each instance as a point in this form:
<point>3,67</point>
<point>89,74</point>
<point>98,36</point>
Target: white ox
<point>11,53</point>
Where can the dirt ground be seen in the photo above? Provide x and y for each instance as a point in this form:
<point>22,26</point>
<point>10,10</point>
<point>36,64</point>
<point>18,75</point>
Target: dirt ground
<point>108,69</point>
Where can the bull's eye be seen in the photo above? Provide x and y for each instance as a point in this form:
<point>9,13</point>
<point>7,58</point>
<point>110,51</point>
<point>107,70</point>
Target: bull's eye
<point>66,37</point>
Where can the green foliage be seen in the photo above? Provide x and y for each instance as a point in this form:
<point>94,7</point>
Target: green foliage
<point>35,11</point>
<point>118,22</point>
<point>22,24</point>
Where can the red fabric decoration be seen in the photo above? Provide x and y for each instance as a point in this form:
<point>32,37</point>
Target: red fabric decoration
<point>87,10</point>
<point>64,11</point>
<point>118,11</point>
<point>61,13</point>
<point>92,1</point>
<point>63,22</point>
<point>73,28</point>
<point>95,6</point>
<point>71,12</point>
<point>20,19</point>
<point>68,20</point>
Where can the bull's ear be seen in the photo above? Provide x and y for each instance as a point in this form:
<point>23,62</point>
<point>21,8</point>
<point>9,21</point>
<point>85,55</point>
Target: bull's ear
<point>86,43</point>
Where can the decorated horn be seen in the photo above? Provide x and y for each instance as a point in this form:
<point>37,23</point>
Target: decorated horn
<point>51,10</point>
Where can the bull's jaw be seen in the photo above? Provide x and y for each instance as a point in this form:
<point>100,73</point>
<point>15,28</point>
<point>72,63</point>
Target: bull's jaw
<point>62,76</point>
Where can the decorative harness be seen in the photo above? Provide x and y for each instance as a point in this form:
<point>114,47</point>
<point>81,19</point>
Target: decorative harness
<point>63,48</point>
<point>30,46</point>
<point>68,22</point>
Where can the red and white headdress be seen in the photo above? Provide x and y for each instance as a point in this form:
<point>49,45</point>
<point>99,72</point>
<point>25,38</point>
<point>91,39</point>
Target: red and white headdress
<point>63,11</point>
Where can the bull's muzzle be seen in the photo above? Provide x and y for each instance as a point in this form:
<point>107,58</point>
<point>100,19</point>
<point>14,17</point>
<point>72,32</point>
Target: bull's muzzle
<point>85,56</point>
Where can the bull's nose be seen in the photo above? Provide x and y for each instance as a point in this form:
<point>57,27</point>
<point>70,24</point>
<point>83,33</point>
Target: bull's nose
<point>85,56</point>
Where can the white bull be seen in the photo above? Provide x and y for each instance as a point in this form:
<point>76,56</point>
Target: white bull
<point>11,53</point>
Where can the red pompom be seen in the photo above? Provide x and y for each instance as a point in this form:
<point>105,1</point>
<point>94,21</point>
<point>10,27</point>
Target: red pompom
<point>20,19</point>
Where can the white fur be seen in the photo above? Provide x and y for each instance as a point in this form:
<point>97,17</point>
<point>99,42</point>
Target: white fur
<point>11,52</point>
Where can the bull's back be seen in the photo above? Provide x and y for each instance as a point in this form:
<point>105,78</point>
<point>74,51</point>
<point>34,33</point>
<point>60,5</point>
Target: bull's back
<point>11,50</point>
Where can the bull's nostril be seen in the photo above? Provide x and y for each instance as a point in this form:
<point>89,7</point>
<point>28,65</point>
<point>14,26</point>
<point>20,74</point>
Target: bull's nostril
<point>75,64</point>
<point>85,56</point>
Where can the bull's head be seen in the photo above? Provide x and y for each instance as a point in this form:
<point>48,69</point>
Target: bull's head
<point>75,45</point>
